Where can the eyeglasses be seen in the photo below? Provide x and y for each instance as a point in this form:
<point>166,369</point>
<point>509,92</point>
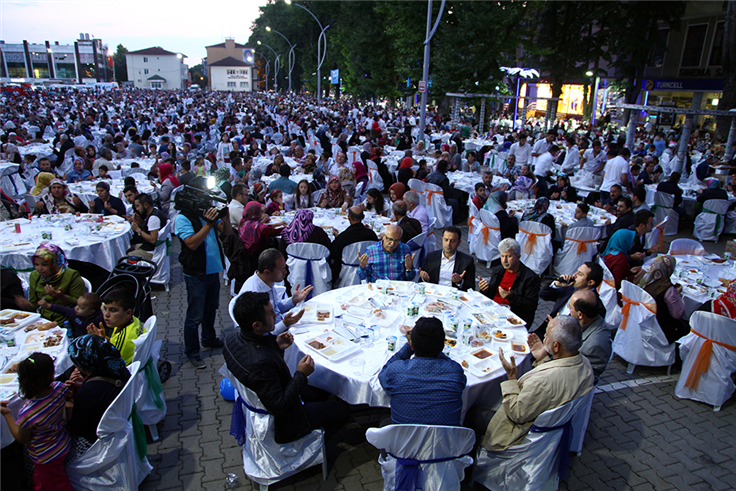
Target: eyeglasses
<point>392,240</point>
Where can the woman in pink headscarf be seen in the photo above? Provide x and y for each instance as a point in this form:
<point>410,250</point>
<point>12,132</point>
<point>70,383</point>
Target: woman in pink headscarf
<point>168,182</point>
<point>361,174</point>
<point>252,231</point>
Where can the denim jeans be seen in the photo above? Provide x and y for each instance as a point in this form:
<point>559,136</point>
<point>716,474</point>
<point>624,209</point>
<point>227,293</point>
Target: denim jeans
<point>203,296</point>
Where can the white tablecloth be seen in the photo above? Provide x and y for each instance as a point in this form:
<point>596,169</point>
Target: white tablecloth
<point>87,190</point>
<point>359,384</point>
<point>564,214</point>
<point>103,247</point>
<point>466,181</point>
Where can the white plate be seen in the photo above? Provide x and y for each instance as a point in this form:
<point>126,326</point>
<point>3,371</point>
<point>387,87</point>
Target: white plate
<point>384,318</point>
<point>27,318</point>
<point>313,313</point>
<point>332,346</point>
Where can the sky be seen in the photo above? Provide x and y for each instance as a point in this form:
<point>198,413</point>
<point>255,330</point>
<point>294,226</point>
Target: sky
<point>183,26</point>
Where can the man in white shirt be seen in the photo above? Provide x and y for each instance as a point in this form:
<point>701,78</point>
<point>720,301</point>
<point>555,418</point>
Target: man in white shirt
<point>616,172</point>
<point>411,198</point>
<point>449,267</point>
<point>521,150</point>
<point>572,156</point>
<point>340,161</point>
<point>594,159</point>
<point>541,146</point>
<point>271,270</point>
<point>239,194</point>
<point>544,162</point>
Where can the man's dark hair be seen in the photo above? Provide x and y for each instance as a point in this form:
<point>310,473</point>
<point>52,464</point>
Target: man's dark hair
<point>454,230</point>
<point>124,298</point>
<point>267,260</point>
<point>186,165</point>
<point>428,337</point>
<point>675,177</point>
<point>144,199</point>
<point>596,273</point>
<point>285,170</point>
<point>626,201</point>
<point>236,190</point>
<point>612,152</point>
<point>588,309</point>
<point>171,161</point>
<point>103,167</point>
<point>553,148</point>
<point>624,152</point>
<point>596,143</point>
<point>442,166</point>
<point>399,208</point>
<point>250,307</point>
<point>618,186</point>
<point>479,185</point>
<point>640,192</point>
<point>132,189</point>
<point>642,217</point>
<point>584,207</point>
<point>235,161</point>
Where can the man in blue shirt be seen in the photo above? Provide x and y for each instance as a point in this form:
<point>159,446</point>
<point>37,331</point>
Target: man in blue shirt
<point>388,260</point>
<point>105,203</point>
<point>286,185</point>
<point>428,388</point>
<point>202,260</point>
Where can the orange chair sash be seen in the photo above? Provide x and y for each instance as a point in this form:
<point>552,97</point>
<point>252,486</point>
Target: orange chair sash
<point>702,360</point>
<point>485,231</point>
<point>651,307</point>
<point>430,193</point>
<point>581,244</point>
<point>470,224</point>
<point>531,241</point>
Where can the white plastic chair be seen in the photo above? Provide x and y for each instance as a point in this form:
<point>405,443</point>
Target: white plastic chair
<point>150,401</point>
<point>579,248</point>
<point>113,462</point>
<point>534,464</point>
<point>437,207</point>
<point>535,240</point>
<point>290,201</point>
<point>417,246</point>
<point>639,339</point>
<point>419,187</point>
<point>316,196</point>
<point>375,181</point>
<point>423,443</point>
<point>686,247</point>
<point>487,237</point>
<point>609,296</point>
<point>709,223</point>
<point>664,206</point>
<point>474,224</point>
<point>87,285</point>
<point>708,355</point>
<point>580,422</point>
<point>266,462</point>
<point>656,236</point>
<point>308,266</point>
<point>162,256</point>
<point>431,243</point>
<point>349,270</point>
<point>730,227</point>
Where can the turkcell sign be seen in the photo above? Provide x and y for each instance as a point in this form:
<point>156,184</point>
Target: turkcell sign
<point>684,84</point>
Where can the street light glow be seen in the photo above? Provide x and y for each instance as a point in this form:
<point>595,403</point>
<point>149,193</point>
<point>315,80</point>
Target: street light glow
<point>258,42</point>
<point>589,73</point>
<point>287,2</point>
<point>268,28</point>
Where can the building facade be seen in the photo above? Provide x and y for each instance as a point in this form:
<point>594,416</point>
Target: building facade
<point>230,74</point>
<point>240,57</point>
<point>157,68</point>
<point>85,61</point>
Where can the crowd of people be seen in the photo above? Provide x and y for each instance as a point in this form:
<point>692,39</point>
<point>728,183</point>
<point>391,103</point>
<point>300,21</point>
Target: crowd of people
<point>191,136</point>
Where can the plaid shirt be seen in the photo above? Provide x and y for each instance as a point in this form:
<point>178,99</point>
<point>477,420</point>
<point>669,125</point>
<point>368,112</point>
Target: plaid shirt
<point>385,266</point>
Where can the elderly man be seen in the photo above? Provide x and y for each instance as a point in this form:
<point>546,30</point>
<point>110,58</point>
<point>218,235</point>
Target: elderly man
<point>410,226</point>
<point>356,232</point>
<point>567,376</point>
<point>512,283</point>
<point>417,211</point>
<point>597,345</point>
<point>450,267</point>
<point>389,259</point>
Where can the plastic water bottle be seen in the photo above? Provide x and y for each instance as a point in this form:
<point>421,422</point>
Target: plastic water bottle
<point>68,328</point>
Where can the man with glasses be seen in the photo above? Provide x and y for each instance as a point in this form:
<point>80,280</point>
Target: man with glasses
<point>388,260</point>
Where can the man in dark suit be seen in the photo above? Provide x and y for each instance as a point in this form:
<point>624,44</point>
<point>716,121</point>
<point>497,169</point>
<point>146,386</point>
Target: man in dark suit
<point>449,266</point>
<point>356,232</point>
<point>588,277</point>
<point>411,226</point>
<point>512,283</point>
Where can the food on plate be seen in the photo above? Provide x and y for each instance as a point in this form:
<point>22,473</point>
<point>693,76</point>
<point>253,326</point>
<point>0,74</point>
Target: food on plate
<point>513,320</point>
<point>13,368</point>
<point>436,307</point>
<point>519,348</point>
<point>404,329</point>
<point>328,339</point>
<point>465,364</point>
<point>487,370</point>
<point>323,315</point>
<point>344,306</point>
<point>476,343</point>
<point>379,314</point>
<point>33,325</point>
<point>499,335</point>
<point>47,326</point>
<point>482,354</point>
<point>464,298</point>
<point>10,321</point>
<point>482,318</point>
<point>53,340</point>
<point>451,342</point>
<point>317,345</point>
<point>484,335</point>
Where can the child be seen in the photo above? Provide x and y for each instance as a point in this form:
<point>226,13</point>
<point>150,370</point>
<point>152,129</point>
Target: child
<point>103,172</point>
<point>276,205</point>
<point>303,198</point>
<point>481,194</point>
<point>117,306</point>
<point>201,170</point>
<point>40,424</point>
<point>79,173</point>
<point>86,312</point>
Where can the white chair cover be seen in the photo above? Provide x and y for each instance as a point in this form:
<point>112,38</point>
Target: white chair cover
<point>149,400</point>
<point>580,247</point>
<point>437,207</point>
<point>308,266</point>
<point>422,443</point>
<point>664,206</point>
<point>139,176</point>
<point>686,247</point>
<point>374,178</point>
<point>535,240</point>
<point>580,422</point>
<point>350,263</point>
<point>609,296</point>
<point>709,224</point>
<point>316,196</point>
<point>162,256</point>
<point>290,201</point>
<point>431,243</point>
<point>487,237</point>
<point>265,461</point>
<point>639,339</point>
<point>87,285</point>
<point>730,223</point>
<point>656,236</point>
<point>417,246</point>
<point>474,225</point>
<point>419,187</point>
<point>532,465</point>
<point>112,462</point>
<point>353,154</point>
<point>708,355</point>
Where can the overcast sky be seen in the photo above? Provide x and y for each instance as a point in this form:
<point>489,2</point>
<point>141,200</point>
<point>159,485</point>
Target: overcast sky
<point>180,26</point>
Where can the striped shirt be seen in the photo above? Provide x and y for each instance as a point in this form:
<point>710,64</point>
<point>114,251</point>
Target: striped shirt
<point>45,418</point>
<point>386,266</point>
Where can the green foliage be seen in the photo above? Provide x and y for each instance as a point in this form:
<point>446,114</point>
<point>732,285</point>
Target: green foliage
<point>198,75</point>
<point>120,64</point>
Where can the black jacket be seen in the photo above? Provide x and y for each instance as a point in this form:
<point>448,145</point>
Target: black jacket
<point>562,297</point>
<point>712,194</point>
<point>258,363</point>
<point>354,233</point>
<point>509,225</point>
<point>524,296</point>
<point>441,180</point>
<point>671,188</point>
<point>463,262</point>
<point>411,227</point>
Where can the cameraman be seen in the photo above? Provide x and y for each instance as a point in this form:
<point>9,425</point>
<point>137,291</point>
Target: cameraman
<point>202,260</point>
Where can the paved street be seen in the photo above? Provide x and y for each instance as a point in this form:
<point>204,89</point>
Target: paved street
<point>640,435</point>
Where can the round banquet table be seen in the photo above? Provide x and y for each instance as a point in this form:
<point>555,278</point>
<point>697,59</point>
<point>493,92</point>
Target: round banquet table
<point>334,218</point>
<point>87,190</point>
<point>564,214</point>
<point>354,376</point>
<point>466,181</point>
<point>84,242</point>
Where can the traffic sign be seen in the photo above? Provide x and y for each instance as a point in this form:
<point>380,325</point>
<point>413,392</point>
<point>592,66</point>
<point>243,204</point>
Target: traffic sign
<point>422,86</point>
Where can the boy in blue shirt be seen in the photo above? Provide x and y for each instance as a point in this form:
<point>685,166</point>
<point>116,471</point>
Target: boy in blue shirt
<point>78,173</point>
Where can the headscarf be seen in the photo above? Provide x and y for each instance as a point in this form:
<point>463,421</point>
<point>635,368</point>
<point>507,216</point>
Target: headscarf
<point>250,226</point>
<point>300,229</point>
<point>657,279</point>
<point>99,356</point>
<point>713,183</point>
<point>496,201</point>
<point>522,183</point>
<point>361,174</point>
<point>399,190</point>
<point>50,202</point>
<point>620,242</point>
<point>42,182</point>
<point>406,162</point>
<point>54,255</point>
<point>167,172</point>
<point>334,198</point>
<point>725,305</point>
<point>539,211</point>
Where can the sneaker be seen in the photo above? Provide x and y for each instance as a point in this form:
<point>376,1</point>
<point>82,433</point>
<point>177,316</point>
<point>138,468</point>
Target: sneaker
<point>215,343</point>
<point>197,362</point>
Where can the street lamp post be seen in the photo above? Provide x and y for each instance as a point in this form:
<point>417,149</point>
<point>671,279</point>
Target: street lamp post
<point>292,56</point>
<point>321,49</point>
<point>425,70</point>
<point>275,67</point>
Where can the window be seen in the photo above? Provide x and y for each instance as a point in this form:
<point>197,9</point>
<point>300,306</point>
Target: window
<point>231,85</point>
<point>716,52</point>
<point>145,59</point>
<point>694,45</point>
<point>145,71</point>
<point>157,85</point>
<point>243,85</point>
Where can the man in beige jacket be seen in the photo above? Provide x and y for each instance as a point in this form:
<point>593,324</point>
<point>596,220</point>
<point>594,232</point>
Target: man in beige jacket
<point>567,376</point>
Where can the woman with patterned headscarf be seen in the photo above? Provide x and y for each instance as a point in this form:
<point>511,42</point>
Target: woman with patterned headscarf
<point>252,231</point>
<point>334,196</point>
<point>301,230</point>
<point>522,188</point>
<point>57,198</point>
<point>98,378</point>
<point>54,281</point>
<point>670,306</point>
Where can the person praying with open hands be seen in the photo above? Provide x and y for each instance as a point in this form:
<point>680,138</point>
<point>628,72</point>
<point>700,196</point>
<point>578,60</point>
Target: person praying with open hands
<point>389,259</point>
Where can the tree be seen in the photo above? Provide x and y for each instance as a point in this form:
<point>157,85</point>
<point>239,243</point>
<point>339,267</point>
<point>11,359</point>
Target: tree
<point>120,64</point>
<point>198,75</point>
<point>728,100</point>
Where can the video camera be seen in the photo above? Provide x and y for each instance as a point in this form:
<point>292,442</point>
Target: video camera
<point>197,201</point>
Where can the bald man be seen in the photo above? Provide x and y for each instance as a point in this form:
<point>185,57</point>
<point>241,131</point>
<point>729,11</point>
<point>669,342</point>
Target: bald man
<point>389,259</point>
